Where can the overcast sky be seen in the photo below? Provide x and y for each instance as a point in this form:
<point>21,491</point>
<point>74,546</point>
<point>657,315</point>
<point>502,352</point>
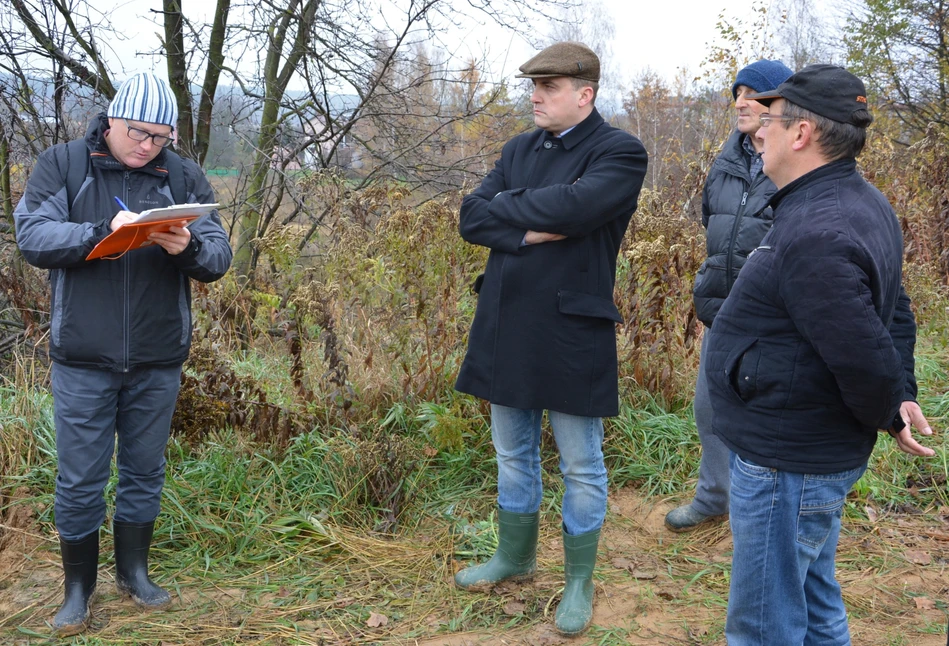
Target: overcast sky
<point>656,34</point>
<point>661,36</point>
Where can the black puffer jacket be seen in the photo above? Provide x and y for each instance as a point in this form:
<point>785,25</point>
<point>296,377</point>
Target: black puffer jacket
<point>736,218</point>
<point>115,314</point>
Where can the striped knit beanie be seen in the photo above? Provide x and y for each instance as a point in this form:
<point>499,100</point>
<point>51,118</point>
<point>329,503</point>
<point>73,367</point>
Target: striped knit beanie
<point>145,97</point>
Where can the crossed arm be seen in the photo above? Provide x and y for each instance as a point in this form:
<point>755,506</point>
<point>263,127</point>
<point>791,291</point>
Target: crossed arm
<point>502,218</point>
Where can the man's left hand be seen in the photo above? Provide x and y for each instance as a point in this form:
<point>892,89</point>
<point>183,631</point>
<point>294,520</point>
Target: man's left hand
<point>912,415</point>
<point>174,241</point>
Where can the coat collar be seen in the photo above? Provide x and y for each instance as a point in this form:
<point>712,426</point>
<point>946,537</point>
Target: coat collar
<point>582,130</point>
<point>836,169</point>
<point>733,159</point>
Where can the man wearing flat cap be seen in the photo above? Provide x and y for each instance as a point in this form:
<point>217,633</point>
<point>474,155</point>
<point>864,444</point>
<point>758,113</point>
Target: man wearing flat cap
<point>553,212</point>
<point>120,328</point>
<point>810,354</point>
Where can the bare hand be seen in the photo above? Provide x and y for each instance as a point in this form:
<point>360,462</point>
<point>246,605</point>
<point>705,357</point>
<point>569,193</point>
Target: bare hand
<point>174,241</point>
<point>537,237</point>
<point>912,415</point>
<point>122,217</point>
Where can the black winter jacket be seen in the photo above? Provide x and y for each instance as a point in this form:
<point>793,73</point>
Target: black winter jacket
<point>736,217</point>
<point>812,351</point>
<point>115,314</point>
<point>544,332</point>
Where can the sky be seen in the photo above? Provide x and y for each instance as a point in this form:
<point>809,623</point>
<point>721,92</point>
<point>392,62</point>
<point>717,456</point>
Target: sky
<point>658,35</point>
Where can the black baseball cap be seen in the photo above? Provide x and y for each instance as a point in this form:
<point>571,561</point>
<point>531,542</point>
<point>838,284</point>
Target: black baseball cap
<point>827,90</point>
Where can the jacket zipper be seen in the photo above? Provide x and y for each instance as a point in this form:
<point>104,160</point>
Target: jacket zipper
<point>127,282</point>
<point>731,241</point>
<point>734,237</point>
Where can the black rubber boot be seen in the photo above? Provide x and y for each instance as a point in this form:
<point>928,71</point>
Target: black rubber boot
<point>132,541</point>
<point>80,562</point>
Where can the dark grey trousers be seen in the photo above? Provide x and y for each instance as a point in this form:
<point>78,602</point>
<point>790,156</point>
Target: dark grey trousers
<point>93,407</point>
<point>711,493</point>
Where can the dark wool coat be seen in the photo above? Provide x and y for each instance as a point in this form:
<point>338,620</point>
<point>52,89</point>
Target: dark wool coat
<point>544,333</point>
<point>812,351</point>
<point>736,217</point>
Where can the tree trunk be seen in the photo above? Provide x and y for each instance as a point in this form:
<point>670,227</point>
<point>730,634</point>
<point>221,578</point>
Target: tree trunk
<point>276,79</point>
<point>6,195</point>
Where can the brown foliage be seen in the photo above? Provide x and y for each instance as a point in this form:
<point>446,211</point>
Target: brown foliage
<point>24,294</point>
<point>658,261</point>
<point>916,181</point>
<point>213,397</point>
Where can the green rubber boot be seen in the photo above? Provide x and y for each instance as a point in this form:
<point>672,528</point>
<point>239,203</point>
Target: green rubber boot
<point>575,611</point>
<point>516,556</point>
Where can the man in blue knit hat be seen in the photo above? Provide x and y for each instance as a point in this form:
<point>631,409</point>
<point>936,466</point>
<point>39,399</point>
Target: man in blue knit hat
<point>736,217</point>
<point>120,329</point>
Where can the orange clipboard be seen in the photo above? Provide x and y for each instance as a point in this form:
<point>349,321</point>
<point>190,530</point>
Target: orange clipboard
<point>134,235</point>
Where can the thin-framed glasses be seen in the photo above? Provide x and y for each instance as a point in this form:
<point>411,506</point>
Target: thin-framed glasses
<point>765,119</point>
<point>137,134</point>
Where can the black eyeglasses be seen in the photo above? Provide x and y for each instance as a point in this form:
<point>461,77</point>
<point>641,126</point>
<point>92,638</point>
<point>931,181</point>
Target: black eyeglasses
<point>764,120</point>
<point>137,134</point>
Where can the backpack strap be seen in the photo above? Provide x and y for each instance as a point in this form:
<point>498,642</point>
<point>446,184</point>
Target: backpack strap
<point>176,177</point>
<point>77,168</point>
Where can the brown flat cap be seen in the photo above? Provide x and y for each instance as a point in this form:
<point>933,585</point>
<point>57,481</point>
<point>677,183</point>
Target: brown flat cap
<point>563,59</point>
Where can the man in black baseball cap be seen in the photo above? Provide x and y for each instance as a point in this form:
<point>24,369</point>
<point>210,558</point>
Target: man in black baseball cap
<point>827,90</point>
<point>828,101</point>
<point>811,354</point>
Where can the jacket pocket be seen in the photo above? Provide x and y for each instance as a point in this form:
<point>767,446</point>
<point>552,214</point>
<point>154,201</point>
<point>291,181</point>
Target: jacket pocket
<point>741,370</point>
<point>478,282</point>
<point>710,281</point>
<point>589,305</point>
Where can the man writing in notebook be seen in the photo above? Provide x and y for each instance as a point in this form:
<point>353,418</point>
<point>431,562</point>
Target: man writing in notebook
<point>120,329</point>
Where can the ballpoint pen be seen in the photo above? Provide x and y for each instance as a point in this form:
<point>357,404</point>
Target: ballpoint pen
<point>121,204</point>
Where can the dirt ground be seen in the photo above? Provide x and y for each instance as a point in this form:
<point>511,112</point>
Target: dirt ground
<point>653,587</point>
<point>895,576</point>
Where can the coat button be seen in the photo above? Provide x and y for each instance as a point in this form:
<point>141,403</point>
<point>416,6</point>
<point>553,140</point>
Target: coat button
<point>548,145</point>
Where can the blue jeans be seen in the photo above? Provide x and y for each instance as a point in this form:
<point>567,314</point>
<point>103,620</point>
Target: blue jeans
<point>91,408</point>
<point>516,436</point>
<point>785,528</point>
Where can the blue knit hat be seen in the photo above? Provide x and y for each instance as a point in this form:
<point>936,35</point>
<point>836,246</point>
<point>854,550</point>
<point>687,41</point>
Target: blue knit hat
<point>145,97</point>
<point>761,76</point>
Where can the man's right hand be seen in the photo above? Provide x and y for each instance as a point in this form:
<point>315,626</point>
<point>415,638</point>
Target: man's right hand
<point>537,237</point>
<point>122,217</point>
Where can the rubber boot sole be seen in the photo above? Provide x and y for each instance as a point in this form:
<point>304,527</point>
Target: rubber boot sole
<point>485,586</point>
<point>127,594</point>
<point>709,520</point>
<point>74,629</point>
